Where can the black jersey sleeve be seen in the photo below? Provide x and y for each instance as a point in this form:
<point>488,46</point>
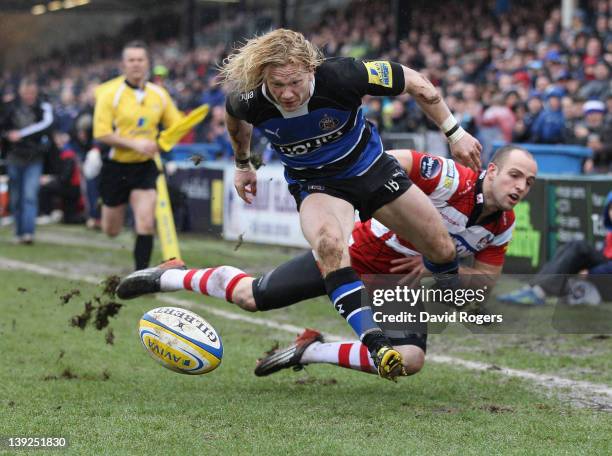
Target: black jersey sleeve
<point>345,77</point>
<point>234,107</point>
<point>383,77</point>
<point>377,77</point>
<point>248,106</point>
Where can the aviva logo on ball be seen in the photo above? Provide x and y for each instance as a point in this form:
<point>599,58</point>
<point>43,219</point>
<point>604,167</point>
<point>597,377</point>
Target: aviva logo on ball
<point>180,340</point>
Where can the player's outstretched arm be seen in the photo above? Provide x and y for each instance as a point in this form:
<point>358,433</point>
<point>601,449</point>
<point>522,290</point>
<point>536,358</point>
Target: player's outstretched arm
<point>464,147</point>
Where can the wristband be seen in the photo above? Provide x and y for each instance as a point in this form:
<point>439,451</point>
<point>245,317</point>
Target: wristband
<point>456,135</point>
<point>452,130</point>
<point>448,124</point>
<point>243,164</point>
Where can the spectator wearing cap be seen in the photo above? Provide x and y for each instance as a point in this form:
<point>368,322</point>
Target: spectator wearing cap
<point>553,56</point>
<point>160,74</point>
<point>568,81</point>
<point>549,126</point>
<point>593,133</point>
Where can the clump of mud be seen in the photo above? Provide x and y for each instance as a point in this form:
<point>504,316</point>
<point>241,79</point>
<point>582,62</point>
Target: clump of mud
<point>65,298</point>
<point>99,309</point>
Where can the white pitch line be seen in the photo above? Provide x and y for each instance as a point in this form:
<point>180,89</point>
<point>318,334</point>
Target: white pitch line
<point>583,391</point>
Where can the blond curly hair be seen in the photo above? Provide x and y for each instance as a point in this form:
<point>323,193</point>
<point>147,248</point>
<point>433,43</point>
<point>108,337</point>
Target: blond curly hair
<point>244,69</point>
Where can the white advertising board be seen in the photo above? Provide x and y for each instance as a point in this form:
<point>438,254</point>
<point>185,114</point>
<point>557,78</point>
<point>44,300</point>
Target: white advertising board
<point>272,218</point>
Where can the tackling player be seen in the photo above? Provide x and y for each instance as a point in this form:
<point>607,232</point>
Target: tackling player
<point>477,209</point>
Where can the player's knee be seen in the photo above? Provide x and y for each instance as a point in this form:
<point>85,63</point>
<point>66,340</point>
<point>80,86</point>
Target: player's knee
<point>111,231</point>
<point>246,303</point>
<point>413,358</point>
<point>329,246</point>
<point>243,295</point>
<point>414,365</point>
<point>145,225</point>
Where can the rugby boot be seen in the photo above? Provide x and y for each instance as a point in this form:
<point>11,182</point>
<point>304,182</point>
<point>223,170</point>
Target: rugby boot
<point>277,359</point>
<point>145,281</point>
<point>525,297</point>
<point>388,360</point>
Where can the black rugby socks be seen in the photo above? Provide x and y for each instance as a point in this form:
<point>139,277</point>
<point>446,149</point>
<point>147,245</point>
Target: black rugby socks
<point>142,251</point>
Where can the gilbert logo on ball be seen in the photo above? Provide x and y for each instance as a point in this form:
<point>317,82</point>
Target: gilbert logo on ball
<point>180,340</point>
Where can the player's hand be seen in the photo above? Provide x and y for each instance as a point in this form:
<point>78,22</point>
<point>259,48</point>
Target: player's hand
<point>406,264</point>
<point>412,266</point>
<point>245,181</point>
<point>146,147</point>
<point>467,152</point>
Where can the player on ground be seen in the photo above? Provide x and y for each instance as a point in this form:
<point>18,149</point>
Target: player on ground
<point>477,210</point>
<point>310,111</point>
<point>127,116</point>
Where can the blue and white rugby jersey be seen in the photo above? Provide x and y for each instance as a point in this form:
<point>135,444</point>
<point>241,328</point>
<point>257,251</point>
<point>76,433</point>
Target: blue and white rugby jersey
<point>328,137</point>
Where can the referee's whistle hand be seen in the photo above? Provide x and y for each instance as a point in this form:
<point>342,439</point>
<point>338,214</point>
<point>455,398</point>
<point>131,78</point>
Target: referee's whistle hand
<point>146,147</point>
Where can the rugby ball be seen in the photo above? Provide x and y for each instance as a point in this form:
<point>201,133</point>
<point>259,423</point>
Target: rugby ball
<point>180,340</point>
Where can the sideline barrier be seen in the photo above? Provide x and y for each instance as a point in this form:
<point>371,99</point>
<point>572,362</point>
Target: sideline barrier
<point>555,158</point>
<point>182,152</point>
<point>558,210</point>
<point>272,218</point>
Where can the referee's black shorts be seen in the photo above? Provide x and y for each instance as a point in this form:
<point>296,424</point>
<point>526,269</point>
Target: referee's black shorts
<point>117,180</point>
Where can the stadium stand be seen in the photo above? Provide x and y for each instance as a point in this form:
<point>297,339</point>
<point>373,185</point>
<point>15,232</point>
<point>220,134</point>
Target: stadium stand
<point>508,74</point>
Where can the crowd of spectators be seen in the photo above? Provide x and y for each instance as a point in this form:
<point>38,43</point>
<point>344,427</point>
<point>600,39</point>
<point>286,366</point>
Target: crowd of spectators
<point>507,75</point>
<point>512,76</point>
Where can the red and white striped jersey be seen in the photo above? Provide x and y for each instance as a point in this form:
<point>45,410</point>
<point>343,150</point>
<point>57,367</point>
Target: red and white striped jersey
<point>452,188</point>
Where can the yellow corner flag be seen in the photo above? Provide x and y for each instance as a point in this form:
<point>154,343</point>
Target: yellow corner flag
<point>172,135</point>
<point>166,229</point>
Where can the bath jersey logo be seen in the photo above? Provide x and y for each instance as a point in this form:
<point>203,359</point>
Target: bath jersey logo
<point>273,133</point>
<point>328,123</point>
<point>379,73</point>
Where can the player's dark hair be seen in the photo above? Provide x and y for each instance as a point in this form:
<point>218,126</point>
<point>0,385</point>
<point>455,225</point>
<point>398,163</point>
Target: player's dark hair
<point>136,44</point>
<point>501,155</point>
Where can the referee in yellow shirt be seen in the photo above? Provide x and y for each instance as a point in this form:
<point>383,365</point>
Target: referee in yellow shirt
<point>128,112</point>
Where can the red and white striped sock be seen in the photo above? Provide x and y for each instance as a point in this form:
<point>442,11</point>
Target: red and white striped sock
<point>218,282</point>
<point>352,355</point>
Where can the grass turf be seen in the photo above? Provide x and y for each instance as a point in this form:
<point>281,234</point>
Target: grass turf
<point>119,401</point>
